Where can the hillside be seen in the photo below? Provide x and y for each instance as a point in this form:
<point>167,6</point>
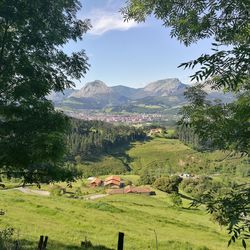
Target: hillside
<point>170,156</point>
<point>68,221</point>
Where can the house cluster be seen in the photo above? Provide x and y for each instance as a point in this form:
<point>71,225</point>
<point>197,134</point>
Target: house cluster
<point>132,118</point>
<point>115,185</point>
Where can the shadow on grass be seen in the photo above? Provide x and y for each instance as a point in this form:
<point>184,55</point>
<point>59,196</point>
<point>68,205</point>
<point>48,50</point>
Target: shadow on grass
<point>30,245</point>
<point>186,197</point>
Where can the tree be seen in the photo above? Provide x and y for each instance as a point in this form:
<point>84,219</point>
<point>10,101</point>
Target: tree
<point>32,64</point>
<point>227,68</point>
<point>219,125</point>
<point>227,22</point>
<point>168,184</point>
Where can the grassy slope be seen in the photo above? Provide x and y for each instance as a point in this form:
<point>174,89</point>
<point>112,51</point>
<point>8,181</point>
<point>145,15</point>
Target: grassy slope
<point>179,158</point>
<point>169,153</point>
<point>68,221</point>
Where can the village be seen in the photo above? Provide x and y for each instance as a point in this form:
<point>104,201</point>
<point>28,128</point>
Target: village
<point>129,118</point>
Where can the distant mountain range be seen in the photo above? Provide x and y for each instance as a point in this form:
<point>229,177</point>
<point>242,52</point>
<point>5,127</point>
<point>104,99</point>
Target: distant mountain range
<point>158,96</point>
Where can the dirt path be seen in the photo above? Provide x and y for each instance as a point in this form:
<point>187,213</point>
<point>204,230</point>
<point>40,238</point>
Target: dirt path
<point>30,191</point>
<point>26,190</point>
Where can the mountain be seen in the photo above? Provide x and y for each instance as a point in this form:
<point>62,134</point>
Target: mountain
<point>164,87</point>
<point>159,96</point>
<point>125,91</point>
<point>94,95</point>
<point>92,89</point>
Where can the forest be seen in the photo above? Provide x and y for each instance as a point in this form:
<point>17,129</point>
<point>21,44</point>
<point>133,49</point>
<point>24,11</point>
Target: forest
<point>88,139</point>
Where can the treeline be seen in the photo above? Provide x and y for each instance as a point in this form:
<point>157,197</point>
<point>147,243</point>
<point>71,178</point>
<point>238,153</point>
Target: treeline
<point>90,138</point>
<point>187,135</point>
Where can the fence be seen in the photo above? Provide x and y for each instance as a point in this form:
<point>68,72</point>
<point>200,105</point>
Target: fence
<point>43,241</point>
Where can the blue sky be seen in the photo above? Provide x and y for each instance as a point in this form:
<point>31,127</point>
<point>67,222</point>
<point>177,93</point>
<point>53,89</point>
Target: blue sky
<point>130,54</point>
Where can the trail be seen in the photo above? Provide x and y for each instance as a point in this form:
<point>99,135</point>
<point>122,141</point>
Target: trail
<point>29,191</point>
<point>26,190</point>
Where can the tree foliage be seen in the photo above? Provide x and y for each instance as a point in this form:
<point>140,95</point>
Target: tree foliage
<point>88,139</point>
<point>32,64</point>
<point>218,125</point>
<point>168,184</point>
<point>230,209</point>
<point>227,22</point>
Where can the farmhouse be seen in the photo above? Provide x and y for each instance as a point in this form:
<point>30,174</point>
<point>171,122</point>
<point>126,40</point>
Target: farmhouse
<point>96,182</point>
<point>138,190</point>
<point>131,190</point>
<point>113,182</point>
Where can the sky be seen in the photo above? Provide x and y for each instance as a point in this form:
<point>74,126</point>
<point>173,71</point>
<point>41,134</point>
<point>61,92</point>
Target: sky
<point>129,53</point>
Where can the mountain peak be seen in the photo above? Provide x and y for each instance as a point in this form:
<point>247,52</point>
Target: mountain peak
<point>92,89</point>
<point>164,87</point>
<point>96,83</point>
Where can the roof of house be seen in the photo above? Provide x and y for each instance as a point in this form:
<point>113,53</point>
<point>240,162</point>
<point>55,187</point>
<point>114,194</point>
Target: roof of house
<point>113,177</point>
<point>96,181</point>
<point>130,189</point>
<point>114,180</point>
<point>115,191</point>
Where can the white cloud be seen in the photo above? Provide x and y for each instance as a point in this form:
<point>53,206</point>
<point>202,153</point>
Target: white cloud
<point>104,21</point>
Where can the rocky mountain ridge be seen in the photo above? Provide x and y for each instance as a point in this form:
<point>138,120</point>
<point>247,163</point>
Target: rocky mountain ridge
<point>166,93</point>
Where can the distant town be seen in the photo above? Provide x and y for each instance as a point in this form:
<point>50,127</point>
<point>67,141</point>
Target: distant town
<point>128,118</point>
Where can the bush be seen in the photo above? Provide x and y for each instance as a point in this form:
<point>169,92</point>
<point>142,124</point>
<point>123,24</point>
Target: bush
<point>78,193</point>
<point>168,184</point>
<point>57,190</point>
<point>176,200</point>
<point>147,178</point>
<point>197,187</point>
<point>128,182</point>
<point>6,239</point>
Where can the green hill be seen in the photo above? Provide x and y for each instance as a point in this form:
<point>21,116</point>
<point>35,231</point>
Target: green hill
<point>171,156</point>
<point>68,221</point>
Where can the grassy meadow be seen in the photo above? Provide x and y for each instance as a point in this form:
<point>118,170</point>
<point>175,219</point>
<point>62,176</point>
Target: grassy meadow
<point>67,221</point>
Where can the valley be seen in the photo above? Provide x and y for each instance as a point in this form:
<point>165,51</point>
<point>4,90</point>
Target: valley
<point>158,102</point>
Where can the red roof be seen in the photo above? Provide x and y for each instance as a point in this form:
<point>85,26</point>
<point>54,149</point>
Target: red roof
<point>112,180</point>
<point>130,189</point>
<point>115,191</point>
<point>96,181</point>
<point>139,190</point>
<point>113,177</point>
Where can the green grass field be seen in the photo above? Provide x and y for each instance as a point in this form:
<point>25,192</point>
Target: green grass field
<point>68,221</point>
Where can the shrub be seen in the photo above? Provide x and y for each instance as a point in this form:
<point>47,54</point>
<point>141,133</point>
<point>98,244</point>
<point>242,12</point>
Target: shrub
<point>78,192</point>
<point>176,199</point>
<point>57,190</point>
<point>147,178</point>
<point>197,187</point>
<point>168,184</point>
<point>127,182</point>
<point>6,239</point>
